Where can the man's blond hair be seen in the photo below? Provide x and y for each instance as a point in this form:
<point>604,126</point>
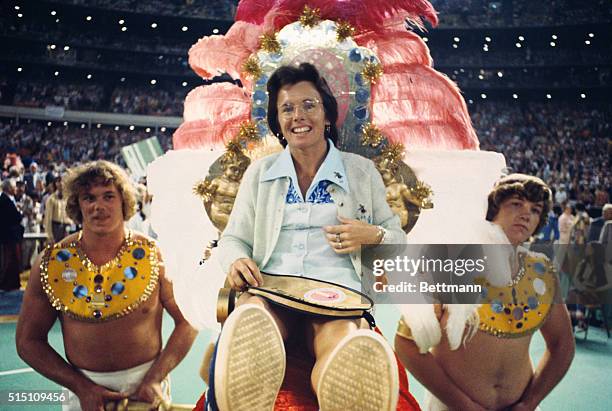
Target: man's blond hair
<point>98,173</point>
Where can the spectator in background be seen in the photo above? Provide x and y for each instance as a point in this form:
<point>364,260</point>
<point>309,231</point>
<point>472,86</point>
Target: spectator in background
<point>56,220</point>
<point>11,235</point>
<point>566,221</point>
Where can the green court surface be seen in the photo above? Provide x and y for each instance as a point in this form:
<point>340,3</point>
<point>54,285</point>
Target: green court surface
<point>585,387</point>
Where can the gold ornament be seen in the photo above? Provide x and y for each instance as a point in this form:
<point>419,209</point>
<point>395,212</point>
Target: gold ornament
<point>269,43</point>
<point>232,148</point>
<point>203,190</point>
<point>252,67</point>
<point>422,192</point>
<point>372,71</point>
<point>371,136</point>
<point>310,17</point>
<point>393,153</point>
<point>344,30</point>
<point>248,132</point>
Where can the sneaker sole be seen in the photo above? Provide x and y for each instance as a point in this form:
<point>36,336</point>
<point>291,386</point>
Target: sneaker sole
<point>250,364</point>
<point>361,375</point>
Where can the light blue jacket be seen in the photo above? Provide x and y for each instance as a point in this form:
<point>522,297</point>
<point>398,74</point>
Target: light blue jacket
<point>255,223</point>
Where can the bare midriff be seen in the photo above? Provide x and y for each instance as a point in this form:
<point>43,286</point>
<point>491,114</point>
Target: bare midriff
<point>114,345</point>
<point>492,371</point>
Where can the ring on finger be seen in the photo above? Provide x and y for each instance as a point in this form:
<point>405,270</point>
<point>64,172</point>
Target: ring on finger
<point>339,244</point>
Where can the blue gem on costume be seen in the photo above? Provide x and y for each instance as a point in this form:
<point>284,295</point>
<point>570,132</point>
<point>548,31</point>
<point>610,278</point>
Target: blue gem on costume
<point>138,253</point>
<point>362,95</point>
<point>355,55</point>
<point>130,273</point>
<point>497,306</point>
<point>275,56</point>
<point>97,314</point>
<point>259,113</point>
<point>260,97</point>
<point>79,291</point>
<point>117,288</point>
<point>539,268</point>
<point>63,256</point>
<point>361,112</point>
<point>359,79</point>
<point>262,128</point>
<point>517,313</point>
<point>263,80</point>
<point>532,302</point>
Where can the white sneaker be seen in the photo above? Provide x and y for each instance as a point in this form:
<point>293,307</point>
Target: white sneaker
<point>360,375</point>
<point>250,363</point>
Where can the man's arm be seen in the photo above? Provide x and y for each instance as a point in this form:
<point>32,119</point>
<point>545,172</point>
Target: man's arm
<point>176,348</point>
<point>560,348</point>
<point>36,318</point>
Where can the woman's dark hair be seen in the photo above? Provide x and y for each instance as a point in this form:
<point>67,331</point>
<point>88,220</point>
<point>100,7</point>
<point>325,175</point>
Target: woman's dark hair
<point>289,75</point>
<point>526,187</point>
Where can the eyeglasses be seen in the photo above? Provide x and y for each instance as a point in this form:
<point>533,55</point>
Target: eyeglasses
<point>308,106</point>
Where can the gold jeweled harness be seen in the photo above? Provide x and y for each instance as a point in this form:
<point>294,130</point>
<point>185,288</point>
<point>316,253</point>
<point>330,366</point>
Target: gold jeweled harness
<point>82,290</point>
<point>521,307</point>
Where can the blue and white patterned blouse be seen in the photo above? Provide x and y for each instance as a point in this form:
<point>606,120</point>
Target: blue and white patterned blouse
<point>302,248</point>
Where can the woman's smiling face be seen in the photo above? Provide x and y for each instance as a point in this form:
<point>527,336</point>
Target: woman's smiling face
<point>301,115</point>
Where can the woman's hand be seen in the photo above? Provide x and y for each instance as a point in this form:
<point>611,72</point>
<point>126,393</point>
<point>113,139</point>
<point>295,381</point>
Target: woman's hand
<point>244,271</point>
<point>351,235</point>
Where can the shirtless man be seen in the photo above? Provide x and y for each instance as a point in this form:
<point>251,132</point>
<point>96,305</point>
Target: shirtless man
<point>108,289</point>
<point>493,370</point>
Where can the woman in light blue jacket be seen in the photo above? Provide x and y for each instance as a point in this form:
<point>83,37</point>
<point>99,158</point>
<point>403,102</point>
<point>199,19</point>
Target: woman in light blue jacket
<point>304,212</point>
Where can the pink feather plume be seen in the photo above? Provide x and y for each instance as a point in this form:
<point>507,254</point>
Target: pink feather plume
<point>212,115</point>
<point>396,47</point>
<point>420,107</point>
<point>215,55</point>
<point>364,15</point>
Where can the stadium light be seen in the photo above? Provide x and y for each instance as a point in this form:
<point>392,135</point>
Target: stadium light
<point>456,39</point>
<point>116,128</point>
<point>148,130</point>
<point>485,48</point>
<point>19,15</point>
<point>98,125</point>
<point>462,70</point>
<point>582,95</point>
<point>123,28</point>
<point>185,28</point>
<point>488,39</point>
<point>121,22</point>
<point>548,96</point>
<point>518,45</point>
<point>481,77</point>
<point>52,46</point>
<point>153,82</point>
<point>587,42</point>
<point>553,44</point>
<point>483,96</point>
<point>425,39</point>
<point>66,48</point>
<point>153,25</point>
<point>184,84</point>
<point>215,31</point>
<point>16,7</point>
<point>515,96</point>
<point>454,45</point>
<point>66,123</point>
<point>56,73</point>
<point>591,35</point>
<point>57,20</point>
<point>471,101</point>
<point>163,129</point>
<point>88,18</point>
<point>521,38</point>
<point>53,12</point>
<point>82,125</point>
<point>122,79</point>
<point>48,124</point>
<point>20,69</point>
<point>554,37</point>
<point>500,74</point>
<point>89,77</point>
<point>131,128</point>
